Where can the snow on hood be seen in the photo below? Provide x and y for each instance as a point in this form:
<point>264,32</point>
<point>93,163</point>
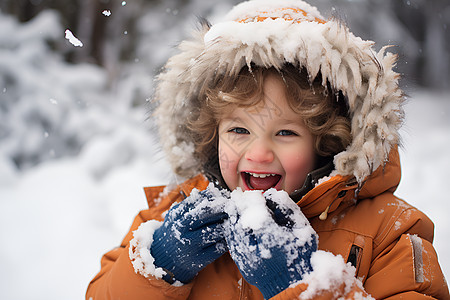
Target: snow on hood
<point>270,34</point>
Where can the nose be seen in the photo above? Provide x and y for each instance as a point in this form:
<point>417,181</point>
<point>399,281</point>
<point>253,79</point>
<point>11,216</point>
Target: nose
<point>259,151</point>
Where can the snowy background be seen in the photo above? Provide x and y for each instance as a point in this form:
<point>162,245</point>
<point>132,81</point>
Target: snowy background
<point>77,143</point>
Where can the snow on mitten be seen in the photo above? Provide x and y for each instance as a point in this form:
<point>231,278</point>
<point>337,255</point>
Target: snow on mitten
<point>269,239</point>
<point>191,236</point>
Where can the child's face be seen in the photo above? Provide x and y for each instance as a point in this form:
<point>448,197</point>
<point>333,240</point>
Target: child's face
<point>267,145</point>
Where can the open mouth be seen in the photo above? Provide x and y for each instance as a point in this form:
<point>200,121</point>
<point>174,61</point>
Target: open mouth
<point>260,181</point>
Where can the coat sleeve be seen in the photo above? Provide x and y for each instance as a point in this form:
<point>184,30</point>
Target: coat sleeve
<point>406,264</point>
<point>117,278</point>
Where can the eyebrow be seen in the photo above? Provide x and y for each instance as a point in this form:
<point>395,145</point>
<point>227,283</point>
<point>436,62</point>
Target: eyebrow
<point>288,121</point>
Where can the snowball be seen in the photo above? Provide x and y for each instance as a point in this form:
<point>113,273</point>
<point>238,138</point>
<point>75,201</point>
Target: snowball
<point>140,256</point>
<point>248,212</point>
<point>329,272</point>
<point>252,207</point>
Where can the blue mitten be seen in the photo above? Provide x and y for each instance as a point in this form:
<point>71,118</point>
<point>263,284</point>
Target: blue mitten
<point>191,236</point>
<point>269,238</point>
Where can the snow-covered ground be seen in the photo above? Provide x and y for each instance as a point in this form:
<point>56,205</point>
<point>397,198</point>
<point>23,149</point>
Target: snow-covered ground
<point>58,217</point>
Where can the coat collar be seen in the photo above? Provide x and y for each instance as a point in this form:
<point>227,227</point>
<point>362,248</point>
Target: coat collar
<point>325,197</point>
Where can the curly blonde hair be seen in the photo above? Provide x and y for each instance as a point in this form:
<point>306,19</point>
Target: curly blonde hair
<point>324,111</point>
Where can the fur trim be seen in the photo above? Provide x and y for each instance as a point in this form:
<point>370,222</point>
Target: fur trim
<point>350,64</point>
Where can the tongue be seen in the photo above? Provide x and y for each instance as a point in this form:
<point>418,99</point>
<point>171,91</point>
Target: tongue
<point>258,183</point>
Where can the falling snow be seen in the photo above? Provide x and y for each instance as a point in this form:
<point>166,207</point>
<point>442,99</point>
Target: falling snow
<point>72,39</point>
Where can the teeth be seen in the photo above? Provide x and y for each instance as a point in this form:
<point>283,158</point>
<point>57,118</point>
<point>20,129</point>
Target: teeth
<point>261,175</point>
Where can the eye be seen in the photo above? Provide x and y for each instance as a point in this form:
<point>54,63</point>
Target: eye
<point>285,132</point>
<point>239,130</point>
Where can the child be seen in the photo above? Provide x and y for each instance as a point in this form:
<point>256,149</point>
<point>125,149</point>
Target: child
<point>291,123</point>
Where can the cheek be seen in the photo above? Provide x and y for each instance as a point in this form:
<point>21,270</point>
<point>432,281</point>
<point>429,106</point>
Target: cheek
<point>228,161</point>
<point>227,158</point>
<point>297,166</point>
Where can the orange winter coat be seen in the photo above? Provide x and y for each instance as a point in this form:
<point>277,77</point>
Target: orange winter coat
<point>387,240</point>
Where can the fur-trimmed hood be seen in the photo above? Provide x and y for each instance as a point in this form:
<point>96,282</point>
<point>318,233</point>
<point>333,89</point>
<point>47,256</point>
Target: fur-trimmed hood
<point>271,33</point>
